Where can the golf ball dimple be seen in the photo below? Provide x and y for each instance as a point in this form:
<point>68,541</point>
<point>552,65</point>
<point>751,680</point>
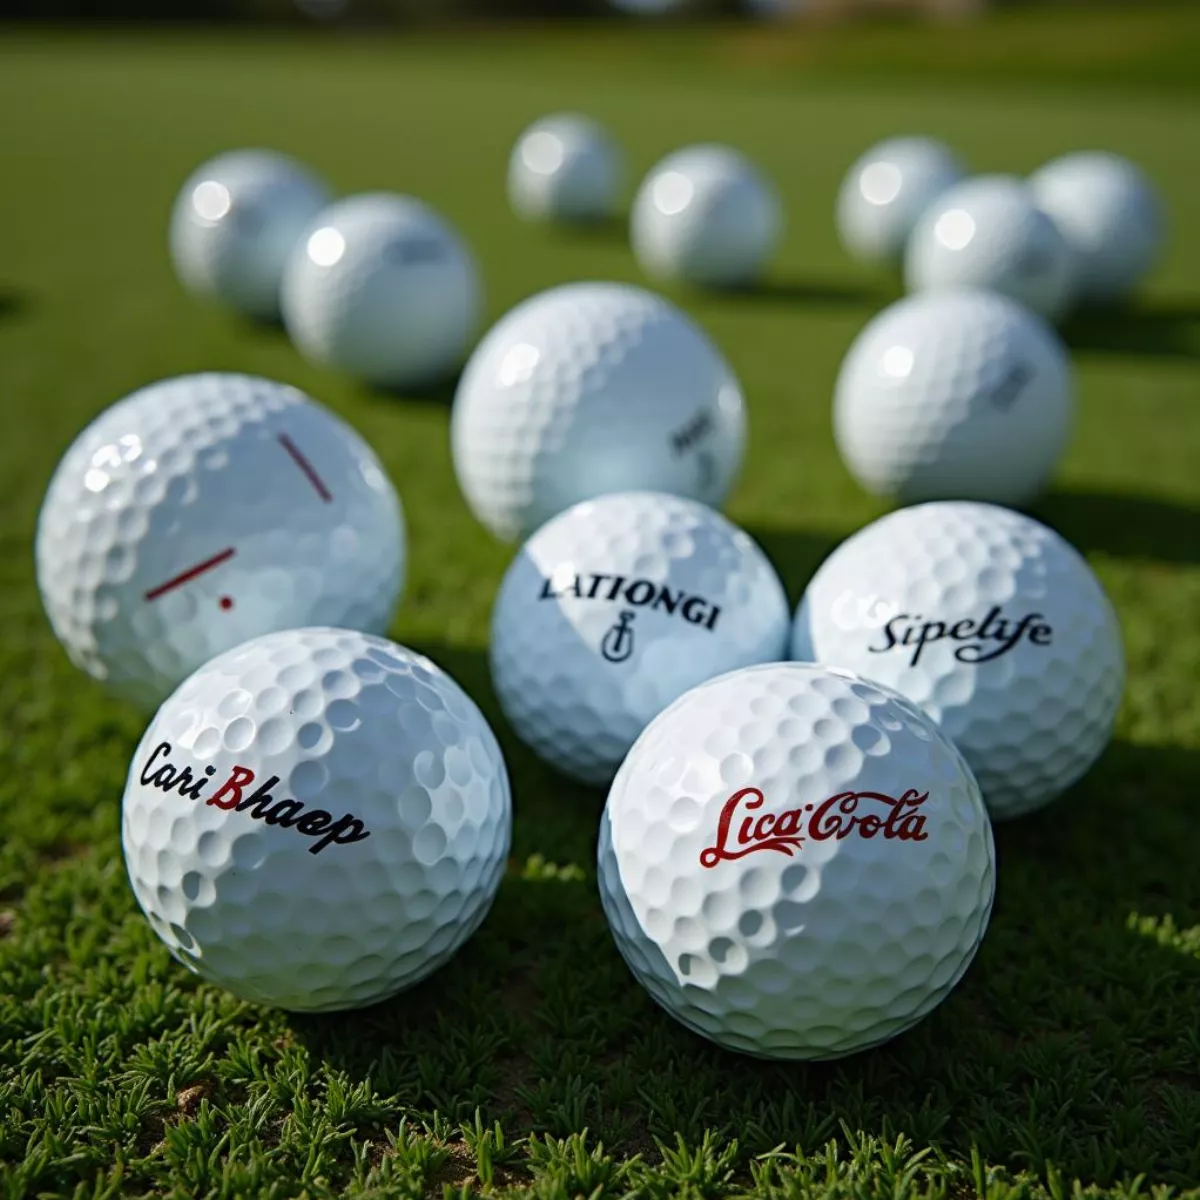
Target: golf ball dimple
<point>706,215</point>
<point>591,388</point>
<point>316,819</point>
<point>987,232</point>
<point>885,192</point>
<point>613,609</point>
<point>235,222</point>
<point>205,510</point>
<point>1109,214</point>
<point>992,624</point>
<point>383,288</point>
<point>565,167</point>
<point>795,862</point>
<point>954,395</point>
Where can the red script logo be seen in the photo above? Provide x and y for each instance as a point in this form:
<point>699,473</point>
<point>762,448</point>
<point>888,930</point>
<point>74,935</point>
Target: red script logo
<point>865,814</point>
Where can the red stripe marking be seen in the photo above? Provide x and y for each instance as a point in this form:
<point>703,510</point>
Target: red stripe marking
<point>309,470</point>
<point>190,574</point>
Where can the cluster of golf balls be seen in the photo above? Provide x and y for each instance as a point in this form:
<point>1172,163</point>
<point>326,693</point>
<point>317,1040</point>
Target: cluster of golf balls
<point>963,389</point>
<point>796,854</point>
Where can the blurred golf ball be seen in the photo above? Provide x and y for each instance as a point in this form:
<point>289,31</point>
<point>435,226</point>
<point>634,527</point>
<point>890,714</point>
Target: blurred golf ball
<point>795,862</point>
<point>988,621</point>
<point>316,820</point>
<point>235,222</point>
<point>613,609</point>
<point>1110,215</point>
<point>885,192</point>
<point>591,388</point>
<point>954,395</point>
<point>987,232</point>
<point>565,168</point>
<point>706,215</point>
<point>383,288</point>
<point>205,510</point>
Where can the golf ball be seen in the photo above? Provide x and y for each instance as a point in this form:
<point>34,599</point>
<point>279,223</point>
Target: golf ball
<point>592,388</point>
<point>1111,217</point>
<point>205,510</point>
<point>795,862</point>
<point>885,192</point>
<point>954,395</point>
<point>316,819</point>
<point>382,287</point>
<point>706,215</point>
<point>565,167</point>
<point>236,221</point>
<point>616,607</point>
<point>991,623</point>
<point>987,232</point>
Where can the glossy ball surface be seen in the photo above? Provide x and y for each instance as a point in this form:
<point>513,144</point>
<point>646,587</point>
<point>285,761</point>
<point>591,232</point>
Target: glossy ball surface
<point>795,862</point>
<point>992,624</point>
<point>613,609</point>
<point>316,820</point>
<point>202,511</point>
<point>591,388</point>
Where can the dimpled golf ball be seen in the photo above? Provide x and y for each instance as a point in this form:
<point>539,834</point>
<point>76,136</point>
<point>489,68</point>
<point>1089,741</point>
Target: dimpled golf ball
<point>987,232</point>
<point>205,510</point>
<point>954,395</point>
<point>1110,215</point>
<point>795,862</point>
<point>992,624</point>
<point>885,192</point>
<point>316,819</point>
<point>706,215</point>
<point>382,287</point>
<point>616,607</point>
<point>236,221</point>
<point>592,388</point>
<point>566,168</point>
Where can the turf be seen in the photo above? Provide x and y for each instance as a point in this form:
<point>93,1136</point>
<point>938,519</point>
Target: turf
<point>1067,1063</point>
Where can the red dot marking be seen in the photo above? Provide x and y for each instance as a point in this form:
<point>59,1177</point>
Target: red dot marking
<point>226,602</point>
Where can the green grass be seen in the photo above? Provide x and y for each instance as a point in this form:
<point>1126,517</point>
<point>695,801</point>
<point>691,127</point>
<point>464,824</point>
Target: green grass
<point>1067,1063</point>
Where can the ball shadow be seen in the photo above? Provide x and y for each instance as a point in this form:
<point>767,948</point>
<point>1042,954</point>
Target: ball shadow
<point>1126,526</point>
<point>538,1024</point>
<point>796,554</point>
<point>14,304</point>
<point>811,293</point>
<point>1158,329</point>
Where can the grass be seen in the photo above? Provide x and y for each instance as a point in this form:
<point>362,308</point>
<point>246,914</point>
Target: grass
<point>1067,1063</point>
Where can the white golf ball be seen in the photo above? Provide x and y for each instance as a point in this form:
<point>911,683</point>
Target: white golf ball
<point>236,221</point>
<point>987,232</point>
<point>885,192</point>
<point>616,607</point>
<point>382,287</point>
<point>954,395</point>
<point>316,819</point>
<point>991,623</point>
<point>565,167</point>
<point>706,215</point>
<point>205,510</point>
<point>1110,215</point>
<point>591,388</point>
<point>795,862</point>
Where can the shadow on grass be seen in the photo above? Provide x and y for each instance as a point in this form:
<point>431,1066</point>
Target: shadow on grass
<point>813,293</point>
<point>1144,527</point>
<point>796,554</point>
<point>1164,329</point>
<point>13,304</point>
<point>437,392</point>
<point>1075,1023</point>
